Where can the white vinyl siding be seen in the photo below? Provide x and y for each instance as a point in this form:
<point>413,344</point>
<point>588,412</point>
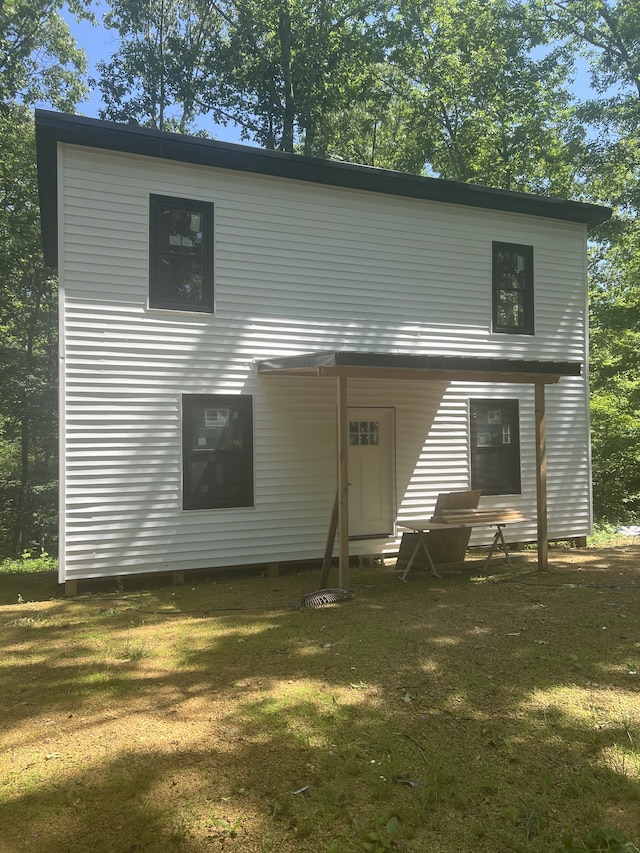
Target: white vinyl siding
<point>298,267</point>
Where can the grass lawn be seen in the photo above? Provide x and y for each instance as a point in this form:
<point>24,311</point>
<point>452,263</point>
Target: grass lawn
<point>496,712</point>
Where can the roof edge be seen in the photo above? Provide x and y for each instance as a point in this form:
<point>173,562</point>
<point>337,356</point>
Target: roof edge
<point>53,127</point>
<point>333,360</point>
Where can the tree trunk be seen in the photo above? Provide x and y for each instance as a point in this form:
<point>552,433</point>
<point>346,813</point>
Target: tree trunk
<point>288,117</point>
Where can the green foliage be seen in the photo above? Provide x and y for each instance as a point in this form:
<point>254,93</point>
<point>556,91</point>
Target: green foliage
<point>450,86</point>
<point>28,563</point>
<point>154,76</point>
<point>470,90</point>
<point>226,828</point>
<point>480,106</point>
<point>604,535</point>
<point>599,841</point>
<point>39,62</point>
<point>380,840</point>
<point>39,59</point>
<point>606,34</point>
<point>275,69</point>
<point>615,368</point>
<point>28,351</point>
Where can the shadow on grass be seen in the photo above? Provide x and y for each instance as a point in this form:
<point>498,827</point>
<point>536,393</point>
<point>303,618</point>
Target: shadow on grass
<point>314,783</point>
<point>476,711</point>
<point>29,586</point>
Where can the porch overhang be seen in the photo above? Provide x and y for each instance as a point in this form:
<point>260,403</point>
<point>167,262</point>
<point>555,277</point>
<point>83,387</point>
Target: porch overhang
<point>435,368</point>
<point>343,365</point>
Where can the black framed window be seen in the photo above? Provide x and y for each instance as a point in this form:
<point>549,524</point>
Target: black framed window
<point>181,254</point>
<point>495,446</point>
<point>217,451</point>
<point>512,273</point>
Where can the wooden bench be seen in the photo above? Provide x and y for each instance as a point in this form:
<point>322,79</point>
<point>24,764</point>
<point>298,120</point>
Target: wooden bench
<point>444,537</point>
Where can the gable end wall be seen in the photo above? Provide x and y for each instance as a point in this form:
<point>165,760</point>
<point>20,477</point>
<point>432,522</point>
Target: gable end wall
<point>298,268</point>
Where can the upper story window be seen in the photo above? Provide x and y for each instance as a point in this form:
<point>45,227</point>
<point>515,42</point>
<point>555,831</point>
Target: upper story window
<point>181,254</point>
<point>513,288</point>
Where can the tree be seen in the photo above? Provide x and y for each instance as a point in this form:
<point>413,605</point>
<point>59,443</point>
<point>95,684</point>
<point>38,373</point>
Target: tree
<point>275,68</point>
<point>294,65</point>
<point>615,368</point>
<point>28,348</point>
<point>155,75</point>
<point>481,106</point>
<point>39,59</point>
<point>606,34</point>
<point>378,130</point>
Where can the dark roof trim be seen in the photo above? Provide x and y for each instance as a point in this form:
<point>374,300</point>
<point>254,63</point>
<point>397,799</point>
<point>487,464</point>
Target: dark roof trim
<point>53,127</point>
<point>439,367</point>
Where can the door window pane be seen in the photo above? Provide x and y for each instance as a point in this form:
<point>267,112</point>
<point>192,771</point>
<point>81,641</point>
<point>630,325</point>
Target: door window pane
<point>363,433</point>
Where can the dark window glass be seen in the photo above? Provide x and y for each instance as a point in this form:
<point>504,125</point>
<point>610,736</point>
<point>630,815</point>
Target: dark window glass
<point>495,446</point>
<point>181,247</point>
<point>217,449</point>
<point>513,288</point>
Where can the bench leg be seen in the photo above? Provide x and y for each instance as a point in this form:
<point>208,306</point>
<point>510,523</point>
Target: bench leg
<point>421,541</point>
<point>498,539</point>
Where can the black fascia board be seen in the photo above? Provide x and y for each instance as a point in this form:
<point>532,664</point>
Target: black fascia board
<point>410,361</point>
<point>53,127</point>
<point>47,160</point>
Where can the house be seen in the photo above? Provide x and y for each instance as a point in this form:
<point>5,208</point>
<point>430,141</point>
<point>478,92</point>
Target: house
<point>246,335</point>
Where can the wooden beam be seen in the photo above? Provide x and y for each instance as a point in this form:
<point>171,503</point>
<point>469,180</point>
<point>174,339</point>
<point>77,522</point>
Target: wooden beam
<point>541,477</point>
<point>328,548</point>
<point>426,375</point>
<point>343,484</point>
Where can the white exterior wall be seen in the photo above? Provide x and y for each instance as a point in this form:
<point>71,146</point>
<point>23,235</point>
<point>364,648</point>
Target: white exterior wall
<point>298,267</point>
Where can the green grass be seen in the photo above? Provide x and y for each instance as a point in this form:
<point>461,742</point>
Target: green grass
<point>606,536</point>
<point>496,713</point>
<point>30,577</point>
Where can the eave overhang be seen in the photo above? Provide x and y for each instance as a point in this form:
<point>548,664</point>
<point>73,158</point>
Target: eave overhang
<point>53,128</point>
<point>434,368</point>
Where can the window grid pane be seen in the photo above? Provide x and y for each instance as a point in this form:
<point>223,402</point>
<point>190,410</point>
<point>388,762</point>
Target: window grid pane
<point>495,446</point>
<point>217,451</point>
<point>512,277</point>
<point>364,433</point>
<point>181,254</point>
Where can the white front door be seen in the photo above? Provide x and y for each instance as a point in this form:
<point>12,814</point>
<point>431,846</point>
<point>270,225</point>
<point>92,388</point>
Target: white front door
<point>371,472</point>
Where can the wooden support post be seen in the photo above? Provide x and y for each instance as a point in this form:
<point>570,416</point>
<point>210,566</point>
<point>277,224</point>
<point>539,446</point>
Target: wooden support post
<point>328,548</point>
<point>70,589</point>
<point>343,485</point>
<point>177,578</point>
<point>541,477</point>
<point>273,570</point>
